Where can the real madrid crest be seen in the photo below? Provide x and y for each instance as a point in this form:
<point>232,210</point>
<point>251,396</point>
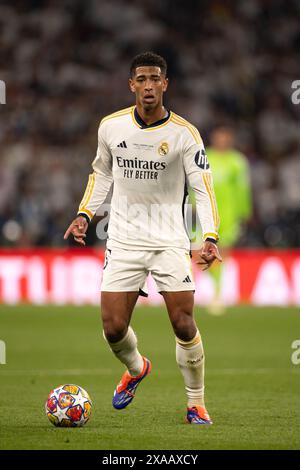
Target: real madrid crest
<point>163,149</point>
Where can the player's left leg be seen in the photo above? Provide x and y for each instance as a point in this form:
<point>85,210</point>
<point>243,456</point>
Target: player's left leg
<point>172,272</point>
<point>189,352</point>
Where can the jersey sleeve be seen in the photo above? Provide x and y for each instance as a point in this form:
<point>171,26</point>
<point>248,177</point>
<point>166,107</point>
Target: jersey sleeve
<point>100,181</point>
<point>199,178</point>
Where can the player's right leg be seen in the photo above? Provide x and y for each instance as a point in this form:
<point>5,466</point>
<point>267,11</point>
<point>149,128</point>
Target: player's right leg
<point>116,310</point>
<point>123,277</point>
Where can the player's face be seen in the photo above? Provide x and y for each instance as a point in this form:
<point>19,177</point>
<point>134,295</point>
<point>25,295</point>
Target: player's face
<point>222,139</point>
<point>149,85</point>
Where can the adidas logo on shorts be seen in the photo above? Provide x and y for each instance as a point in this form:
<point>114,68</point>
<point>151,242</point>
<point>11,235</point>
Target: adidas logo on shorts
<point>187,279</point>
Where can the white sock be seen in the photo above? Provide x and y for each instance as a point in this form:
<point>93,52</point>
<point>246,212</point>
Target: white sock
<point>190,358</point>
<point>126,351</point>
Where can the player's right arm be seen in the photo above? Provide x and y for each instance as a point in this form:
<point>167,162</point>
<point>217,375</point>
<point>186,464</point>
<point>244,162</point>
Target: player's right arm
<point>98,186</point>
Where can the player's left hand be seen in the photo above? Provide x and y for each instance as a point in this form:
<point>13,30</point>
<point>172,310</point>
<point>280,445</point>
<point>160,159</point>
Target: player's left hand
<point>208,254</point>
<point>77,228</point>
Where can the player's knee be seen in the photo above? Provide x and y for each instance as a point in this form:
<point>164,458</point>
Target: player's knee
<point>184,325</point>
<point>114,330</point>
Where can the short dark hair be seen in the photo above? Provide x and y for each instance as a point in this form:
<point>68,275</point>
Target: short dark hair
<point>148,59</point>
<point>224,127</point>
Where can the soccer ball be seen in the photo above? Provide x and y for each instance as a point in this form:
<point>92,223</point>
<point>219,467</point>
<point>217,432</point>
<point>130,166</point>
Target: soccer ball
<point>68,406</point>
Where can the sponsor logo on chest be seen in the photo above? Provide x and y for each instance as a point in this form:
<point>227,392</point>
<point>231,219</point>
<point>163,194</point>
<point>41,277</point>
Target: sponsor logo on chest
<point>139,167</point>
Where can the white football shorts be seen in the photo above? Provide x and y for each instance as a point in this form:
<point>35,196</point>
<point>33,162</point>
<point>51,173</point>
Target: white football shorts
<point>127,270</point>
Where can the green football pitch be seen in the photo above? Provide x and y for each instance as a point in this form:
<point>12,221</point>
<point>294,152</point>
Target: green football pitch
<point>252,386</point>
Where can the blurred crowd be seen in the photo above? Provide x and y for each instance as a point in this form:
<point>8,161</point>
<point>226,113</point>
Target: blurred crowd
<point>66,64</point>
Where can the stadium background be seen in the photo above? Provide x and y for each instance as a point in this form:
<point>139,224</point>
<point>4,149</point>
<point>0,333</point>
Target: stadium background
<point>65,65</point>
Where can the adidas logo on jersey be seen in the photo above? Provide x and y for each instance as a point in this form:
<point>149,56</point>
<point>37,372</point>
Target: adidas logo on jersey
<point>187,279</point>
<point>122,144</point>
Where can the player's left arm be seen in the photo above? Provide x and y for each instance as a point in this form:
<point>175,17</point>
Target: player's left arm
<point>199,178</point>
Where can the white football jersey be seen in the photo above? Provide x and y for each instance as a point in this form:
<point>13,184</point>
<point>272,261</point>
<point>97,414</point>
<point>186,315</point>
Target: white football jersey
<point>150,168</point>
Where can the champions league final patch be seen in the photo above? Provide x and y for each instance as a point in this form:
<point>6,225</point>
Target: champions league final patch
<point>201,160</point>
<point>143,147</point>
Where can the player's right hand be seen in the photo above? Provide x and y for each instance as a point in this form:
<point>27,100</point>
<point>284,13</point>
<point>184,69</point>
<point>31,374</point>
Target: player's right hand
<point>77,228</point>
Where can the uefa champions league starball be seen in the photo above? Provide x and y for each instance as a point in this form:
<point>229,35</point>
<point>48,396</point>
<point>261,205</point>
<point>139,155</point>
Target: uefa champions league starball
<point>68,406</point>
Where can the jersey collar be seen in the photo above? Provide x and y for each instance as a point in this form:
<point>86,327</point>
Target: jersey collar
<point>142,123</point>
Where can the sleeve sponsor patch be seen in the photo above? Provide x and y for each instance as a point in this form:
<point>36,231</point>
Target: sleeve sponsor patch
<point>201,160</point>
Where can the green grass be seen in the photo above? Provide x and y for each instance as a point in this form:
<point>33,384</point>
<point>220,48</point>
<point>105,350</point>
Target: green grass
<point>252,388</point>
